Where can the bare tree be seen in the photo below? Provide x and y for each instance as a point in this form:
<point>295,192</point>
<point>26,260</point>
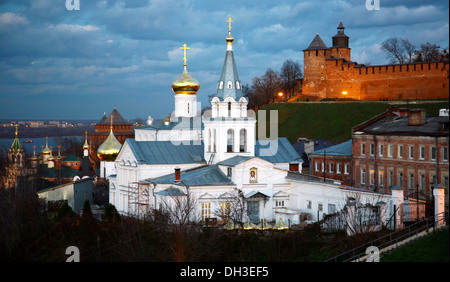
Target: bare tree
<point>264,88</point>
<point>232,207</point>
<point>400,51</point>
<point>430,53</point>
<point>290,74</point>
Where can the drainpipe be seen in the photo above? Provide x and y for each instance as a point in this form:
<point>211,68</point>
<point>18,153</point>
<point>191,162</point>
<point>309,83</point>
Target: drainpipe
<point>374,163</point>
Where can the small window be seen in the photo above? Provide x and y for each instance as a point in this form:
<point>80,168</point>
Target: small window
<point>221,85</point>
<point>229,85</point>
<point>237,85</point>
<point>308,204</point>
<point>229,171</point>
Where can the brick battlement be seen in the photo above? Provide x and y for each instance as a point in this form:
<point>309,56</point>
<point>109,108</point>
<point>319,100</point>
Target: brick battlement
<point>329,73</point>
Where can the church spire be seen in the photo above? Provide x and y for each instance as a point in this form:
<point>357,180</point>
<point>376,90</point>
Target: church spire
<point>229,84</point>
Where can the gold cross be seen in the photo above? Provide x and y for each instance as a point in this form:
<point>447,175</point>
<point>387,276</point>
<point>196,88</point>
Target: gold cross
<point>229,24</point>
<point>185,48</point>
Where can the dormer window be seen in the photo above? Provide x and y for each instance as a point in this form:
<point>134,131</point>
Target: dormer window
<point>221,85</point>
<point>229,85</point>
<point>237,85</point>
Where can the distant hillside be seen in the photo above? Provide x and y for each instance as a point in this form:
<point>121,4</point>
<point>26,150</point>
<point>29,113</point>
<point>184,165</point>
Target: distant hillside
<point>333,121</point>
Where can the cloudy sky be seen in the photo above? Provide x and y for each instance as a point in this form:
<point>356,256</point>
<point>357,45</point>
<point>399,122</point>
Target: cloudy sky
<point>57,63</point>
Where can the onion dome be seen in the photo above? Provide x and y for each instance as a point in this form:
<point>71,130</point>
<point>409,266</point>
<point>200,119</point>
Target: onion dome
<point>109,149</point>
<point>46,150</point>
<point>185,83</point>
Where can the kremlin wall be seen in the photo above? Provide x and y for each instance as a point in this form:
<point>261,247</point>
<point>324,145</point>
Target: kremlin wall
<point>330,73</point>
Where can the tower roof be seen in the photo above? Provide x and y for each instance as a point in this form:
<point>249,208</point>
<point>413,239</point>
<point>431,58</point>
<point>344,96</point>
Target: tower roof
<point>116,116</point>
<point>229,84</point>
<point>317,44</point>
<point>16,146</point>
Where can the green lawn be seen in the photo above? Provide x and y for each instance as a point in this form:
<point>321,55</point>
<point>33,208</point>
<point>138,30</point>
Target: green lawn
<point>432,248</point>
<point>332,121</point>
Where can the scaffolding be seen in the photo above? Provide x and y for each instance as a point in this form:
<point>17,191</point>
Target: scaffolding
<point>138,199</point>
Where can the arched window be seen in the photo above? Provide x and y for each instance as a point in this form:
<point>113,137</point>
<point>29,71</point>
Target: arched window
<point>229,109</point>
<point>243,140</point>
<point>230,140</point>
<point>221,85</point>
<point>209,140</point>
<point>229,85</point>
<point>237,85</point>
<point>214,140</point>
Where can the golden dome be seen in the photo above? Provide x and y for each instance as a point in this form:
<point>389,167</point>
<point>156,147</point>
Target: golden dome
<point>46,150</point>
<point>109,149</point>
<point>185,84</point>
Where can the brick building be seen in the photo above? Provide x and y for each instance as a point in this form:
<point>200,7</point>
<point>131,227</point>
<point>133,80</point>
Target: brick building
<point>330,73</point>
<point>334,162</point>
<point>401,147</point>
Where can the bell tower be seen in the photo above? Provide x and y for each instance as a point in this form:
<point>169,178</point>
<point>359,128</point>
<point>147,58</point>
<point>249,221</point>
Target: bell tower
<point>228,131</point>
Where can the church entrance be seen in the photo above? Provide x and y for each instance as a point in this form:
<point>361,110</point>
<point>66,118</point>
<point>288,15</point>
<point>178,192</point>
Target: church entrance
<point>253,211</point>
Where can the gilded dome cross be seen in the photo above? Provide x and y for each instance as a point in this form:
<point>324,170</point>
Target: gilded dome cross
<point>185,48</point>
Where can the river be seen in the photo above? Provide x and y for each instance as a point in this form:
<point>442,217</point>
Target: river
<point>5,143</point>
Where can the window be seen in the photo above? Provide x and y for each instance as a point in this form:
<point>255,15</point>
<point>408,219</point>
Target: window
<point>331,169</point>
<point>400,179</point>
<point>363,176</point>
<point>433,153</point>
<point>381,178</point>
<point>229,85</point>
<point>372,177</point>
<point>363,149</point>
<point>279,203</point>
<point>372,149</point>
<point>316,165</point>
<point>411,181</point>
<point>381,150</point>
<point>422,152</point>
<point>308,204</point>
<point>422,181</point>
<point>391,179</point>
<point>225,209</point>
<point>411,152</point>
<point>243,140</point>
<point>331,208</point>
<point>230,140</point>
<point>229,109</point>
<point>347,169</point>
<point>320,206</point>
<point>400,151</point>
<point>229,171</point>
<point>390,152</point>
<point>339,168</point>
<point>323,166</point>
<point>445,154</point>
<point>206,210</point>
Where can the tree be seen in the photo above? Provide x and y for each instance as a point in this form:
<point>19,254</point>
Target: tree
<point>264,88</point>
<point>290,74</point>
<point>398,51</point>
<point>430,53</point>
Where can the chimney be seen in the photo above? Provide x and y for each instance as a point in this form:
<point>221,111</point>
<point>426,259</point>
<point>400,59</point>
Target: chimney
<point>177,175</point>
<point>417,117</point>
<point>403,112</point>
<point>293,167</point>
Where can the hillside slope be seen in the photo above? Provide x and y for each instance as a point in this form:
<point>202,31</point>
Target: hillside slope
<point>333,121</point>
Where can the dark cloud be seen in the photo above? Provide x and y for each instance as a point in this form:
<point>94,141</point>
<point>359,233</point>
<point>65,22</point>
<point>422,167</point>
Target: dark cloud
<point>54,62</point>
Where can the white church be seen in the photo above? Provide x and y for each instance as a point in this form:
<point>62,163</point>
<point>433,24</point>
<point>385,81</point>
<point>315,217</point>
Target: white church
<point>216,159</point>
